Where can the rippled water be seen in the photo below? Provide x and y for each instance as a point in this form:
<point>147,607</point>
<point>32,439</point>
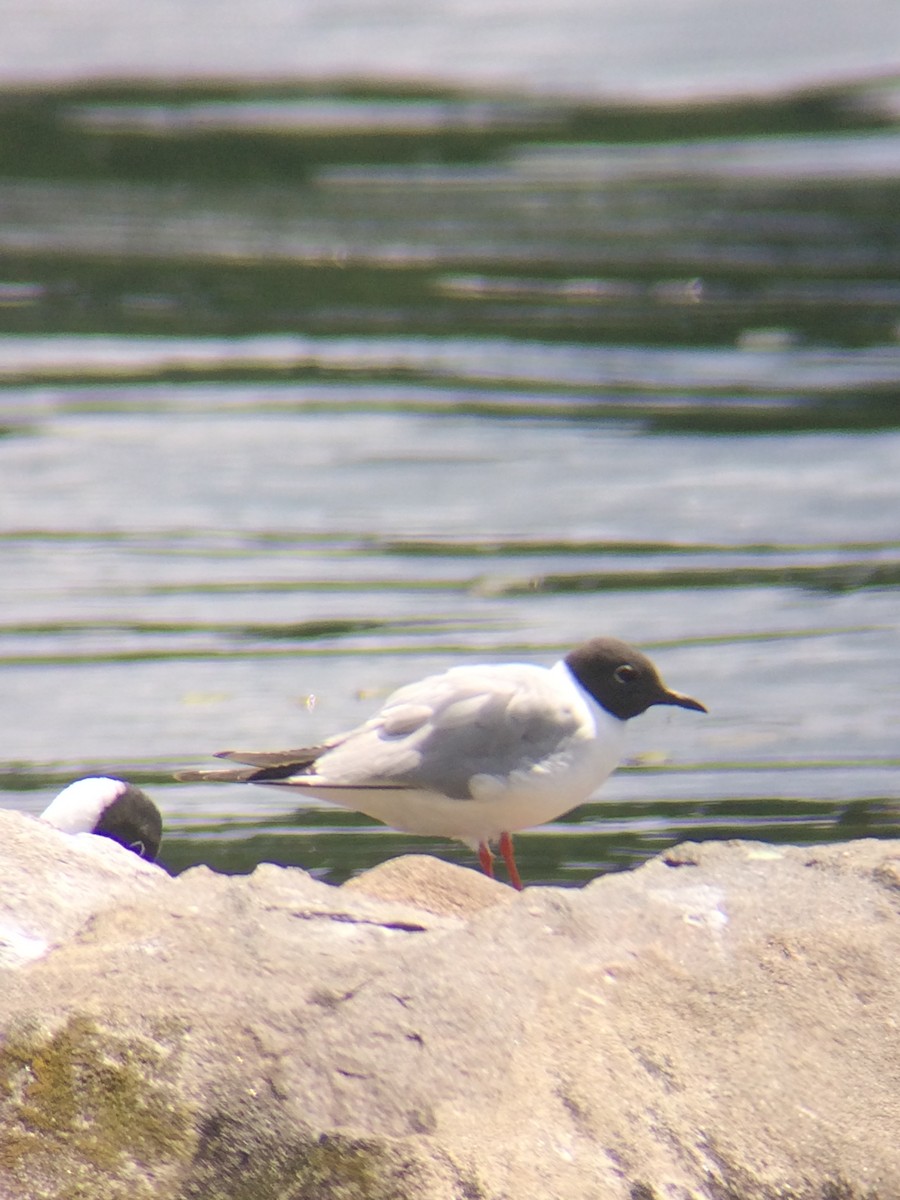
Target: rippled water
<point>289,423</point>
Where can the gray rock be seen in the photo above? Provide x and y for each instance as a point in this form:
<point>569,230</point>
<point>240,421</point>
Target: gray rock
<point>429,883</point>
<point>49,892</point>
<point>721,1024</point>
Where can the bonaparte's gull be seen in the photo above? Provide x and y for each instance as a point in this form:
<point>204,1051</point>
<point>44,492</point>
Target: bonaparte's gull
<point>477,752</point>
<point>112,808</point>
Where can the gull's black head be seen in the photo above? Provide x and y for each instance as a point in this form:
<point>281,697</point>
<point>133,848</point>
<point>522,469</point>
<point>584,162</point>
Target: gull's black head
<point>132,820</point>
<point>621,679</point>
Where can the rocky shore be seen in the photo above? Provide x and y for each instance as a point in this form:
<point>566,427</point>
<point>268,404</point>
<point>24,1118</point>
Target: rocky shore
<point>721,1024</point>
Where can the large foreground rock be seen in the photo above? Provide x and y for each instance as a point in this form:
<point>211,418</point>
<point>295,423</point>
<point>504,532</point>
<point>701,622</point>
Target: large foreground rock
<point>721,1024</point>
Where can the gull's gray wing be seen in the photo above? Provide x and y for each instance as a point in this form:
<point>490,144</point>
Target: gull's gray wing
<point>438,733</point>
<point>260,766</point>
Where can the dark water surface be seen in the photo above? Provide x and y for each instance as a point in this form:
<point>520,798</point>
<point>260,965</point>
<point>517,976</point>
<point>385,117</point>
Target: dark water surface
<point>306,394</point>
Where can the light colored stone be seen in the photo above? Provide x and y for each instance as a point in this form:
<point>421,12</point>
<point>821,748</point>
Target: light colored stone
<point>431,884</point>
<point>53,883</point>
<point>721,1024</point>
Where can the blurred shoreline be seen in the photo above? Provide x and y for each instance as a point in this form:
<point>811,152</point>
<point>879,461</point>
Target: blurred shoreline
<point>580,48</point>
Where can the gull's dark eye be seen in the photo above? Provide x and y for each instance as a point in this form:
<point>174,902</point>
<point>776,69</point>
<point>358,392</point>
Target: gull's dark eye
<point>625,674</point>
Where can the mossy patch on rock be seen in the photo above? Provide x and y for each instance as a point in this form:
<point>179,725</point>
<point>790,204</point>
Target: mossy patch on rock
<point>93,1100</point>
<point>233,1164</point>
<point>341,1168</point>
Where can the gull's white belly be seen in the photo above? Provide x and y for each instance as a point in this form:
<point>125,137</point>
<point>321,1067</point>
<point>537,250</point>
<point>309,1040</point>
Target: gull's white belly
<point>499,804</point>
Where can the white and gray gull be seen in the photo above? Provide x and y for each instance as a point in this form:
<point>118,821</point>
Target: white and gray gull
<point>112,808</point>
<point>478,752</point>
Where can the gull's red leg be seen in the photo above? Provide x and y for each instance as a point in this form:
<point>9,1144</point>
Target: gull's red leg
<point>486,859</point>
<point>506,849</point>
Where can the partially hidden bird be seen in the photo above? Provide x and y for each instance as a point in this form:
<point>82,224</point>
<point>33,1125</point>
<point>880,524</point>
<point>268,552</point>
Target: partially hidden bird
<point>112,808</point>
<point>478,752</point>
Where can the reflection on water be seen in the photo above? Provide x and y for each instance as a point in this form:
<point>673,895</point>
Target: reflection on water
<point>304,399</point>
